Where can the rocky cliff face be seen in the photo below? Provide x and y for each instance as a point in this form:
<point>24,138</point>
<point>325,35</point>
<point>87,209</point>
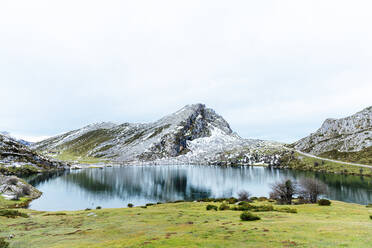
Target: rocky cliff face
<point>194,134</point>
<point>349,134</point>
<point>15,156</point>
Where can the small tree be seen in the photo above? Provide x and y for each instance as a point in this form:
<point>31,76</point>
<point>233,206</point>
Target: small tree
<point>283,191</point>
<point>311,189</point>
<point>244,195</point>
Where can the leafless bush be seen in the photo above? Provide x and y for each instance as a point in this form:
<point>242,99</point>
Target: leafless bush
<point>311,189</point>
<point>26,190</point>
<point>244,195</point>
<point>283,191</point>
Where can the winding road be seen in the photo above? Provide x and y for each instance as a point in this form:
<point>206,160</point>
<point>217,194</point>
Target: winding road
<point>331,160</point>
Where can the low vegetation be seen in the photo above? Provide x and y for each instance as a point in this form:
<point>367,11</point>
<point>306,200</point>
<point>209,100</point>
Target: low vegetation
<point>212,207</point>
<point>324,202</point>
<point>363,157</point>
<point>10,213</point>
<point>248,216</point>
<point>21,202</point>
<point>3,243</point>
<point>22,170</point>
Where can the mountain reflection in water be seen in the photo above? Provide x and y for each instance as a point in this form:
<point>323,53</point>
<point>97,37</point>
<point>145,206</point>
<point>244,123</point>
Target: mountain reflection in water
<point>118,186</point>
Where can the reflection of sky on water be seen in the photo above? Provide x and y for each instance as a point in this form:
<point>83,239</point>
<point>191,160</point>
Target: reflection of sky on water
<point>118,186</point>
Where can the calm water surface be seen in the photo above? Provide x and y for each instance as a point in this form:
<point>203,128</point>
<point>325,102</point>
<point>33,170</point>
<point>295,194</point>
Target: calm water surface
<point>117,186</point>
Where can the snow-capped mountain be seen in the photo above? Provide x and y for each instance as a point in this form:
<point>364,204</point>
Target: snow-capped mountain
<point>13,154</point>
<point>349,134</point>
<point>194,134</point>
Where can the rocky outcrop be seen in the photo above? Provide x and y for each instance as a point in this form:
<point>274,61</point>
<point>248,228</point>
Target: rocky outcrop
<point>349,134</point>
<point>16,157</point>
<point>194,134</point>
<point>13,188</point>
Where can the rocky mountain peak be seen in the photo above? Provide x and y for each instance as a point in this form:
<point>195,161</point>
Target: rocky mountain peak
<point>197,116</point>
<point>349,134</point>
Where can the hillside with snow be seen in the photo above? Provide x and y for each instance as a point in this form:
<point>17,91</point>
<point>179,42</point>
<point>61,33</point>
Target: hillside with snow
<point>194,134</point>
<point>15,155</point>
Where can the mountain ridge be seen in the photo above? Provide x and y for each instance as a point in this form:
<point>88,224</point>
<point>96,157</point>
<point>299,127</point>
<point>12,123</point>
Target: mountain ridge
<point>193,134</point>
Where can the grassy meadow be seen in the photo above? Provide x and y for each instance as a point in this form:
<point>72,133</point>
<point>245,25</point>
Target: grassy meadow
<point>189,224</point>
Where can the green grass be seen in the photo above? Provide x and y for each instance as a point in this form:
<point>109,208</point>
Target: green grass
<point>305,163</point>
<point>22,170</point>
<point>363,157</point>
<point>71,157</point>
<point>22,202</point>
<point>188,224</point>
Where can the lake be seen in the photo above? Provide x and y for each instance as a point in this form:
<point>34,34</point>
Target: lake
<point>115,187</point>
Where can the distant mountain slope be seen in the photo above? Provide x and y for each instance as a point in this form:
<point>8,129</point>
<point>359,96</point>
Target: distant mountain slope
<point>194,134</point>
<point>348,139</point>
<point>22,141</point>
<point>16,157</point>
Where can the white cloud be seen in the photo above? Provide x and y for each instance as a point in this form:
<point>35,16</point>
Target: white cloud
<point>274,69</point>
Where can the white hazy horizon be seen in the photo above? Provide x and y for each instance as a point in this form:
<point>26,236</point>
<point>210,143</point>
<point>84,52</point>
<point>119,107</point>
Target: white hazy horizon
<point>274,70</point>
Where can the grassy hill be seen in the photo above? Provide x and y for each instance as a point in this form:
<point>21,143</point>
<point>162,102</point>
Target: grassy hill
<point>363,157</point>
<point>301,162</point>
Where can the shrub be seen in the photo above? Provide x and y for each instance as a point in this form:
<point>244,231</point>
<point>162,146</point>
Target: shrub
<point>253,198</point>
<point>324,202</point>
<point>149,204</point>
<point>178,201</point>
<point>248,216</point>
<point>210,207</point>
<point>98,207</point>
<point>369,205</point>
<point>3,243</point>
<point>262,198</point>
<point>12,213</point>
<point>88,209</point>
<point>130,205</point>
<point>370,217</point>
<point>244,207</point>
<point>143,206</point>
<point>232,200</point>
<point>287,210</point>
<point>243,203</point>
<point>224,206</point>
<point>243,195</point>
<point>263,208</point>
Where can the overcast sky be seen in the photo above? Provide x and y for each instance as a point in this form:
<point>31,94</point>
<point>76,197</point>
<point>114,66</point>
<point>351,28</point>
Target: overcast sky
<point>274,69</point>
